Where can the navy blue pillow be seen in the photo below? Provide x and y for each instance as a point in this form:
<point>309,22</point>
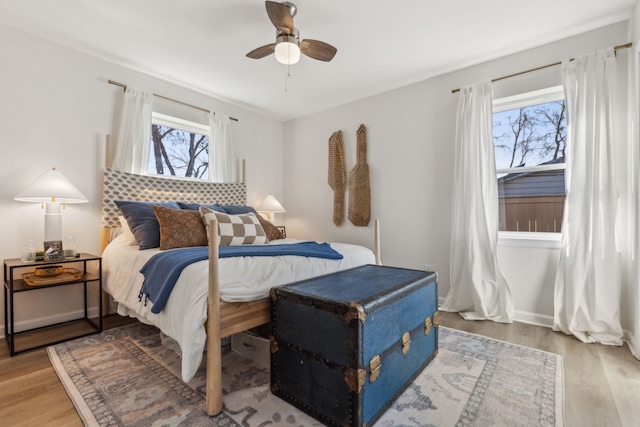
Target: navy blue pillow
<point>238,209</point>
<point>195,206</point>
<point>142,220</point>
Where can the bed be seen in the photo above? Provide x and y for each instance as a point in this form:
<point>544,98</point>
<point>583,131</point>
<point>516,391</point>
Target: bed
<point>213,298</point>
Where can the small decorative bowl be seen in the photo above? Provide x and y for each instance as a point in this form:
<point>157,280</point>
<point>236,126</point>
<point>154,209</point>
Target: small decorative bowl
<point>50,271</point>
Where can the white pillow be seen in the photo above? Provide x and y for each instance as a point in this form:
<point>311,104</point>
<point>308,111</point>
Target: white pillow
<point>243,229</point>
<point>126,233</point>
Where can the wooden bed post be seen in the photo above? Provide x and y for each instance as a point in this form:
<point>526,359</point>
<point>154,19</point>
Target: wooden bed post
<point>105,238</point>
<point>213,403</point>
<point>376,243</point>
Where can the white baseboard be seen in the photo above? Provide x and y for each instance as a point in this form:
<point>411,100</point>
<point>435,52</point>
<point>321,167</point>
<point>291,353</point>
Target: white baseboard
<point>524,317</point>
<point>51,320</point>
<point>533,318</point>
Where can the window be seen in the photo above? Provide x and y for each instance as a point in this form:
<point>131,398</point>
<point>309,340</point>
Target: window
<point>178,148</point>
<point>529,134</point>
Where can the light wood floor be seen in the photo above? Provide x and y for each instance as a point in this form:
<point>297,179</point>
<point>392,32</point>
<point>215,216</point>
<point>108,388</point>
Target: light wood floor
<point>30,392</point>
<point>602,383</point>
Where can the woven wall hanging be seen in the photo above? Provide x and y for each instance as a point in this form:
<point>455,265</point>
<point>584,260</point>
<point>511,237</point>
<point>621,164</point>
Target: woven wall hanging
<point>337,176</point>
<point>360,184</point>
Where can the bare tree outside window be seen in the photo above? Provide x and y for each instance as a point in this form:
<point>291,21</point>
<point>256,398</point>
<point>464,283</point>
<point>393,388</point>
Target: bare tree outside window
<point>529,145</point>
<point>178,152</point>
<point>530,135</point>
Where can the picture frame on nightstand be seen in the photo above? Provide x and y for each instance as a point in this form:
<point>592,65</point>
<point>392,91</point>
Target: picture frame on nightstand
<point>53,250</point>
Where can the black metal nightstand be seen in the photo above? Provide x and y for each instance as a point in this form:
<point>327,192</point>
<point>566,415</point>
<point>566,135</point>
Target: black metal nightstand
<point>19,277</point>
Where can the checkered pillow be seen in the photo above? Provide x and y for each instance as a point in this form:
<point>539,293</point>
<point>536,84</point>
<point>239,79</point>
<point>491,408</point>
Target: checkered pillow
<point>244,229</point>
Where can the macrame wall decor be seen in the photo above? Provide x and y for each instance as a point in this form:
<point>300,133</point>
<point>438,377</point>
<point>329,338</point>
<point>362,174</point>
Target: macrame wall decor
<point>360,184</point>
<point>337,176</point>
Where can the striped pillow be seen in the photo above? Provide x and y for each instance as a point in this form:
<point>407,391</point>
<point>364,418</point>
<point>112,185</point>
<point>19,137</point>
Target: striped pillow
<point>243,229</point>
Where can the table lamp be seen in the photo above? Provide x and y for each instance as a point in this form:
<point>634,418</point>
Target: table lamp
<point>270,205</point>
<point>53,190</point>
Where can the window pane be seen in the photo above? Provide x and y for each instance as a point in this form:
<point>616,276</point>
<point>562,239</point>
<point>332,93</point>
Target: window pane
<point>531,136</point>
<point>532,201</point>
<point>178,152</point>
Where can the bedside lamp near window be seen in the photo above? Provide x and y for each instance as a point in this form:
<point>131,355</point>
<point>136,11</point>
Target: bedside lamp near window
<point>269,206</point>
<point>54,190</point>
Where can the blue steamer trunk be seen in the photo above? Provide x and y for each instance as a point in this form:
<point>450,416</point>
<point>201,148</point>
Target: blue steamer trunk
<point>345,346</point>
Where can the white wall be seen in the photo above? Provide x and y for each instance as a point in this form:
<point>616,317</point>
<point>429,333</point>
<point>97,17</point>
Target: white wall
<point>410,139</point>
<point>56,109</point>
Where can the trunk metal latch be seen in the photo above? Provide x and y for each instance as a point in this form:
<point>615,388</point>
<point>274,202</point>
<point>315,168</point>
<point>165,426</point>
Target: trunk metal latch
<point>374,368</point>
<point>406,342</point>
<point>427,325</point>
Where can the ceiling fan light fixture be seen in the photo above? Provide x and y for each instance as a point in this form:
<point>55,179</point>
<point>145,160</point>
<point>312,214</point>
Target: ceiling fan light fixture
<point>287,51</point>
<point>287,48</point>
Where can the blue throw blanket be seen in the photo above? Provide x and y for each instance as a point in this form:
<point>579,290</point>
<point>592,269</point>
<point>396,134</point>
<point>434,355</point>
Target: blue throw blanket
<point>163,269</point>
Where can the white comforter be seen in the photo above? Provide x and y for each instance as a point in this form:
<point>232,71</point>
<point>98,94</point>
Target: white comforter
<point>241,279</point>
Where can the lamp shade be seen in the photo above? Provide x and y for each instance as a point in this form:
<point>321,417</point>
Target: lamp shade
<point>270,204</point>
<point>52,189</point>
<point>51,186</point>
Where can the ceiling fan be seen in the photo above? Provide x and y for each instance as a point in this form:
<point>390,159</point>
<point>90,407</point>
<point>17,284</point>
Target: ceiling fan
<point>288,46</point>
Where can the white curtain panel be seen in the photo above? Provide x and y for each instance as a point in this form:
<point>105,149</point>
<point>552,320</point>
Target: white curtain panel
<point>478,288</point>
<point>131,151</point>
<point>221,149</point>
<point>588,280</point>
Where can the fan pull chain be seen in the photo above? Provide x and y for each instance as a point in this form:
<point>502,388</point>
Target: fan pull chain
<point>286,78</point>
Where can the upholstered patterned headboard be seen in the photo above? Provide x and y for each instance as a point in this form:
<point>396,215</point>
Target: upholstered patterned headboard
<point>143,188</point>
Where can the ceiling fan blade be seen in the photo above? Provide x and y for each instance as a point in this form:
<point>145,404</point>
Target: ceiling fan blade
<point>318,50</point>
<point>280,16</point>
<point>262,51</point>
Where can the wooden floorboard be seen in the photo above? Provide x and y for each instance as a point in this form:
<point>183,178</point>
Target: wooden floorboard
<point>31,393</point>
<point>602,383</point>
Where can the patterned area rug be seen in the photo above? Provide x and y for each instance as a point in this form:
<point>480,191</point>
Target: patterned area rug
<point>127,377</point>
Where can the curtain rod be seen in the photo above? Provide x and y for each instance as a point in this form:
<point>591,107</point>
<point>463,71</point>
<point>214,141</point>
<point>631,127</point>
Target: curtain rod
<point>124,86</point>
<point>617,48</point>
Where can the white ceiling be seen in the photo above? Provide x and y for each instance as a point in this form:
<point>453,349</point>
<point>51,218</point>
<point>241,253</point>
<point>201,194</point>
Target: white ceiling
<point>201,44</point>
